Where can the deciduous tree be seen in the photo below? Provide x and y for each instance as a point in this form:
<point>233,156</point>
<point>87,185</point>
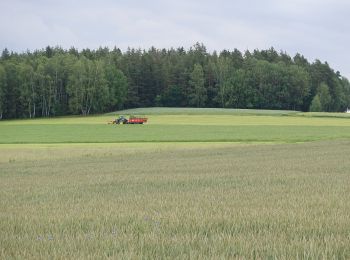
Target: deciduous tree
<point>198,94</point>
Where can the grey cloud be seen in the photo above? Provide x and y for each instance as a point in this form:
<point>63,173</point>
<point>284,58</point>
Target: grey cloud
<point>315,28</point>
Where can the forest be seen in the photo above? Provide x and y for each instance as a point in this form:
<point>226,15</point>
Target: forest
<point>54,81</point>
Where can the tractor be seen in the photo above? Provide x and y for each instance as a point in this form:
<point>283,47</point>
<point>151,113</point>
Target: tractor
<point>120,120</point>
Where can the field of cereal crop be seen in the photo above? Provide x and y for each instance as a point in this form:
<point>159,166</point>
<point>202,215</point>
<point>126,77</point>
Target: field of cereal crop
<point>189,184</point>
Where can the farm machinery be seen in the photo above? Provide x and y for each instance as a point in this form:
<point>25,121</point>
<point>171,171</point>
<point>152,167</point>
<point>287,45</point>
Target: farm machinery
<point>131,121</point>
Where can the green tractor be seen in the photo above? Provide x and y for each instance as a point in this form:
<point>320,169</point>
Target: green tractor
<point>120,120</point>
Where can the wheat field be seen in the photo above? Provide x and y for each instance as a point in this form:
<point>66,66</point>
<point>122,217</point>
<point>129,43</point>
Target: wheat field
<point>176,200</point>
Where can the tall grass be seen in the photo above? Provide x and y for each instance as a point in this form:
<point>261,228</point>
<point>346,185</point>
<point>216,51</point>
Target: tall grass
<point>158,201</point>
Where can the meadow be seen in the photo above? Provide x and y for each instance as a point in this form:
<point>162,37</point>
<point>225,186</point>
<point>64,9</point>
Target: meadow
<point>188,185</point>
<point>181,125</point>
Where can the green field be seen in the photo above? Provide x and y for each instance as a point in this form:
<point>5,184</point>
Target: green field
<point>207,183</point>
<point>188,125</point>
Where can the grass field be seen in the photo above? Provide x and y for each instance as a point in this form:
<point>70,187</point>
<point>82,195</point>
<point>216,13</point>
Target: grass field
<point>190,184</point>
<point>188,125</point>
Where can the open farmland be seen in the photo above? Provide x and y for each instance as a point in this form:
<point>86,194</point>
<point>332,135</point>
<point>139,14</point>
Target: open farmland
<point>190,184</point>
<point>181,125</point>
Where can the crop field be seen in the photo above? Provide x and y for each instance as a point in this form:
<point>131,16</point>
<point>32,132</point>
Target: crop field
<point>190,184</point>
<point>188,125</point>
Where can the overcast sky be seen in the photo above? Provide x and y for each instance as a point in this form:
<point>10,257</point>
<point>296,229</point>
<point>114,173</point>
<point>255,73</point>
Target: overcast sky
<point>314,28</point>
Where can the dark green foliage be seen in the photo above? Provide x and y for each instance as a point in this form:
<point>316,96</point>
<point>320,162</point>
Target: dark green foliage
<point>316,105</point>
<point>2,89</point>
<point>12,107</point>
<point>117,87</point>
<point>87,87</point>
<point>54,81</point>
<point>5,54</point>
<point>172,97</point>
<point>198,94</point>
<point>325,97</point>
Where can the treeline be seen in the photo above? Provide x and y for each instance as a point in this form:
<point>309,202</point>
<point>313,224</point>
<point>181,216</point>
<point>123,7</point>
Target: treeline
<point>54,81</point>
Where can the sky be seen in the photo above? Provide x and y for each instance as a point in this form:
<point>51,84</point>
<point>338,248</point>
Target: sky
<point>318,29</point>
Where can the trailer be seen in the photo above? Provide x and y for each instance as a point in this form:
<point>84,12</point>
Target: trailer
<point>137,120</point>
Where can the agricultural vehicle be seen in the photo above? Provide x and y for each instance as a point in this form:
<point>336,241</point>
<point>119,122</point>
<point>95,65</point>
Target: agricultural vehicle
<point>131,121</point>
